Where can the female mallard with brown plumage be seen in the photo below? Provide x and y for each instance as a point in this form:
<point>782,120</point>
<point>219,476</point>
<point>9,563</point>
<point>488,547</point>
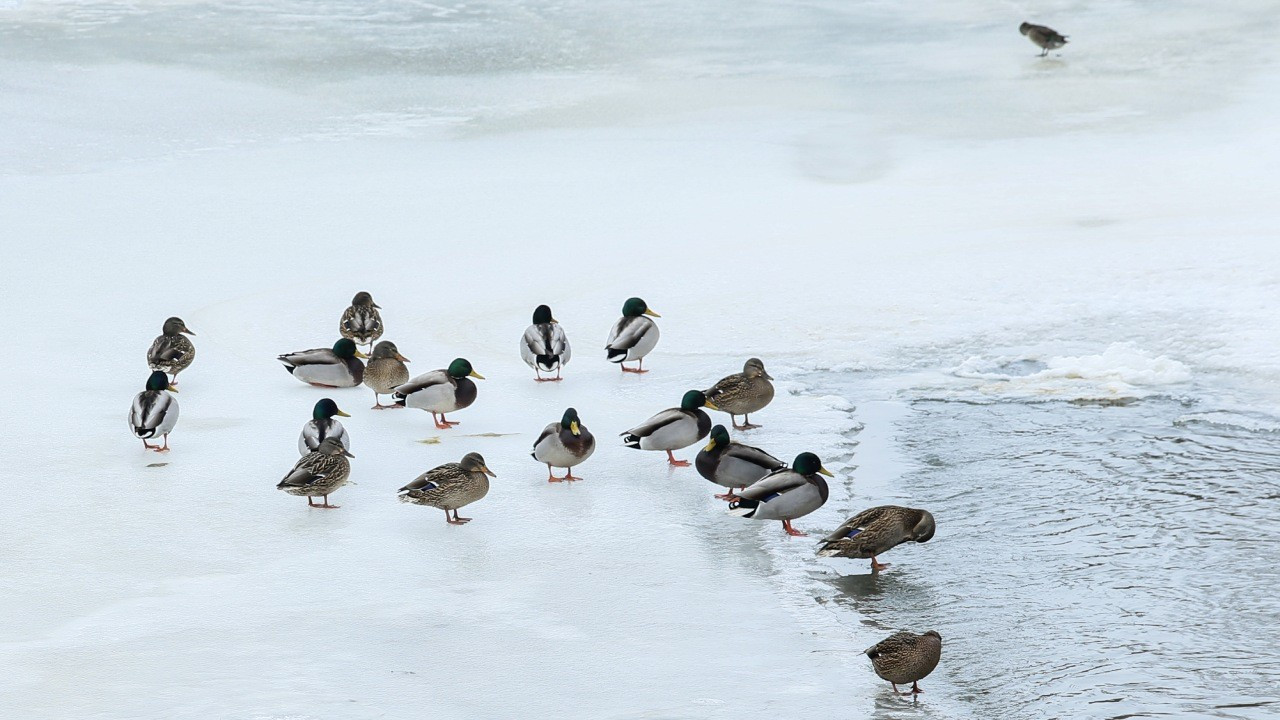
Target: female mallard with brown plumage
<point>733,465</point>
<point>743,393</point>
<point>564,444</point>
<point>319,473</point>
<point>361,322</point>
<point>171,352</point>
<point>876,531</point>
<point>905,657</point>
<point>385,372</point>
<point>1045,38</point>
<point>450,486</point>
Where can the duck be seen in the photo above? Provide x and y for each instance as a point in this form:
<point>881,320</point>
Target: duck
<point>323,426</point>
<point>440,391</point>
<point>385,372</point>
<point>544,346</point>
<point>171,352</point>
<point>733,465</point>
<point>319,473</point>
<point>564,444</point>
<point>361,322</point>
<point>633,336</point>
<point>450,486</point>
<point>325,367</point>
<point>743,393</point>
<point>785,494</point>
<point>1044,37</point>
<point>154,412</point>
<point>877,531</point>
<point>673,428</point>
<point>905,657</point>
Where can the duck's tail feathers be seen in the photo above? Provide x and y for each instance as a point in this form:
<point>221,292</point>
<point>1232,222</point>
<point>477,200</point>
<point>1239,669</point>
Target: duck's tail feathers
<point>631,441</point>
<point>743,507</point>
<point>547,363</point>
<point>616,356</point>
<point>144,432</point>
<point>398,399</point>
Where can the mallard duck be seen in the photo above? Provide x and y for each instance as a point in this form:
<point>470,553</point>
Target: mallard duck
<point>905,657</point>
<point>171,352</point>
<point>386,372</point>
<point>673,428</point>
<point>450,486</point>
<point>743,393</point>
<point>633,336</point>
<point>544,346</point>
<point>361,322</point>
<point>564,444</point>
<point>322,426</point>
<point>1044,37</point>
<point>733,465</point>
<point>324,367</point>
<point>154,411</point>
<point>785,494</point>
<point>440,391</point>
<point>319,473</point>
<point>876,531</point>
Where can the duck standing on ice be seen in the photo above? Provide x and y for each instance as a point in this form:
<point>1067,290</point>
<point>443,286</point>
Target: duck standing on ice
<point>171,352</point>
<point>544,346</point>
<point>1046,38</point>
<point>361,322</point>
<point>673,428</point>
<point>633,336</point>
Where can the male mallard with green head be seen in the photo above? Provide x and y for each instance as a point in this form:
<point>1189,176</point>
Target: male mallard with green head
<point>323,426</point>
<point>905,657</point>
<point>877,531</point>
<point>743,393</point>
<point>325,367</point>
<point>361,322</point>
<point>786,494</point>
<point>450,486</point>
<point>673,428</point>
<point>633,336</point>
<point>385,373</point>
<point>440,391</point>
<point>544,346</point>
<point>171,352</point>
<point>733,465</point>
<point>319,473</point>
<point>154,412</point>
<point>564,444</point>
<point>1044,37</point>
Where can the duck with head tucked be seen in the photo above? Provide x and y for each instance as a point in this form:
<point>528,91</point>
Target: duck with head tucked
<point>673,428</point>
<point>325,367</point>
<point>172,352</point>
<point>154,412</point>
<point>361,322</point>
<point>733,465</point>
<point>743,393</point>
<point>319,473</point>
<point>386,372</point>
<point>786,494</point>
<point>450,486</point>
<point>322,426</point>
<point>564,444</point>
<point>544,345</point>
<point>877,531</point>
<point>633,336</point>
<point>905,657</point>
<point>440,391</point>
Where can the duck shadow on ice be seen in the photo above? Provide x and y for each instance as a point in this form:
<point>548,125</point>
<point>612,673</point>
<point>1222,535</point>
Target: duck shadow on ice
<point>866,591</point>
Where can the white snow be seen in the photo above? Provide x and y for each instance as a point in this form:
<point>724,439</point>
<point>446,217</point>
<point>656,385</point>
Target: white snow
<point>811,184</point>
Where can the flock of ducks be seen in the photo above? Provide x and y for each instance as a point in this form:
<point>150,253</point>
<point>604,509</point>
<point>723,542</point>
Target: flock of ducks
<point>757,485</point>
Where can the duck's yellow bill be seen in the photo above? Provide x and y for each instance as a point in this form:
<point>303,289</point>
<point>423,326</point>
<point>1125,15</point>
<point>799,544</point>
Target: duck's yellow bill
<point>172,388</point>
<point>476,375</point>
<point>651,313</point>
<point>710,446</point>
<point>361,355</point>
<point>342,414</point>
<point>710,405</point>
<point>573,428</point>
<point>826,472</point>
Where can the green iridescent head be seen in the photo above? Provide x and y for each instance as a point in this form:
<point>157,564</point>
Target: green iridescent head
<point>694,399</point>
<point>159,381</point>
<point>807,463</point>
<point>635,307</point>
<point>719,438</point>
<point>542,315</point>
<point>460,368</point>
<point>326,409</point>
<point>346,349</point>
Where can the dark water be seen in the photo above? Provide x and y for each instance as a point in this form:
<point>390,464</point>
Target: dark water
<point>1092,560</point>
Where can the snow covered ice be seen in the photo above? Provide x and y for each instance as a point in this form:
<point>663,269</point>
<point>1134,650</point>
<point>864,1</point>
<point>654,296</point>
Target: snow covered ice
<point>1028,294</point>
